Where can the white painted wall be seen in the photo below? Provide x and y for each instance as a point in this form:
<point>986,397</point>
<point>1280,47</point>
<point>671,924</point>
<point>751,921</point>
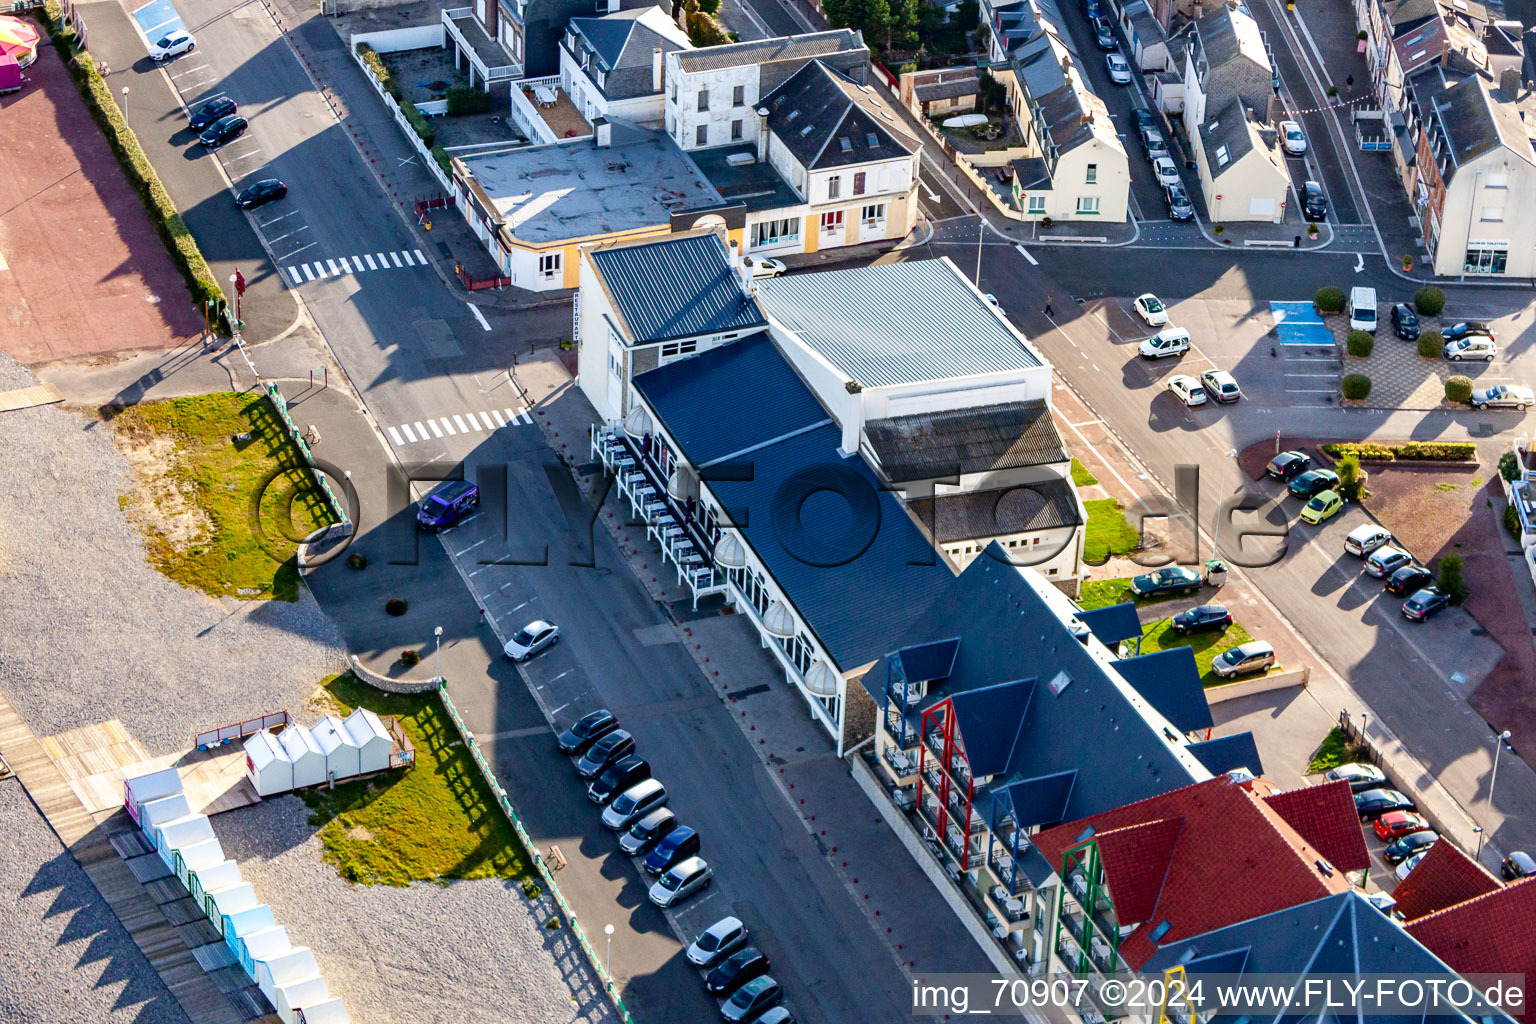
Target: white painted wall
<point>418,37</point>
<point>592,374</point>
<point>1467,198</point>
<point>681,113</point>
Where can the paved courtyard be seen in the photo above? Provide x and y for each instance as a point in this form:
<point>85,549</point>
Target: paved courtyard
<point>1400,378</point>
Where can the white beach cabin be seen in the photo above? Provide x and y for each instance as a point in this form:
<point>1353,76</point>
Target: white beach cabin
<point>327,1011</point>
<point>372,740</point>
<point>300,995</point>
<point>247,922</point>
<point>341,753</point>
<point>267,764</point>
<point>141,789</point>
<point>198,856</point>
<point>158,812</point>
<point>202,881</point>
<point>179,833</point>
<point>220,904</point>
<point>259,947</point>
<point>307,757</point>
<point>274,972</point>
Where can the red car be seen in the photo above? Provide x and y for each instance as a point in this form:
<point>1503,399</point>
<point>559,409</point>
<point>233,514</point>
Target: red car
<point>1396,824</point>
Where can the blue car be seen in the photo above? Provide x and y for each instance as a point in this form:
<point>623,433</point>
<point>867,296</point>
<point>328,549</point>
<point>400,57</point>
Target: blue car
<point>682,842</point>
<point>447,504</point>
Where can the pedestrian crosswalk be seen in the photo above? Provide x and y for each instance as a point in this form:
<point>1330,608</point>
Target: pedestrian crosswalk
<point>319,270</point>
<point>489,420</point>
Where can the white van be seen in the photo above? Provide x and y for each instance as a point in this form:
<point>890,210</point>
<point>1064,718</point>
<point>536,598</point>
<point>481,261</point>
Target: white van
<point>1362,309</point>
<point>1170,341</point>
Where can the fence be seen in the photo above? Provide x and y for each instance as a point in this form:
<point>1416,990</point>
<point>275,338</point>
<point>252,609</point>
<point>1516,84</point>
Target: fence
<point>427,159</point>
<point>440,203</point>
<point>545,874</point>
<point>281,405</point>
<point>240,730</point>
<point>476,284</point>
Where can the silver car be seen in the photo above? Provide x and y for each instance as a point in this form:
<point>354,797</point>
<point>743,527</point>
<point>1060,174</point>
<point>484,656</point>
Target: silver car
<point>538,635</point>
<point>681,881</point>
<point>717,942</point>
<point>1503,396</point>
<point>636,801</point>
<point>1475,347</point>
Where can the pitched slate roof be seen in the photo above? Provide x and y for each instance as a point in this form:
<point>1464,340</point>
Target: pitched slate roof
<point>820,116</point>
<point>988,721</point>
<point>762,51</point>
<point>1229,753</point>
<point>1171,682</point>
<point>1024,508</point>
<point>1490,934</point>
<point>1444,878</point>
<point>1477,118</point>
<point>929,445</point>
<point>1229,128</point>
<point>626,39</point>
<point>1041,800</point>
<point>678,286</point>
<point>1112,624</point>
<point>1325,816</point>
<point>1229,33</point>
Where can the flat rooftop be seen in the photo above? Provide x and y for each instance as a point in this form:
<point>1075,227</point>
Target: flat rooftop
<point>756,185</point>
<point>577,190</point>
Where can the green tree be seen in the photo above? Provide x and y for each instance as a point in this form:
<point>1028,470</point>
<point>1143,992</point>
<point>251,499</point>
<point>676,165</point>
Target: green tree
<point>909,22</point>
<point>1429,300</point>
<point>1360,343</point>
<point>1431,345</point>
<point>1356,386</point>
<point>1450,578</point>
<point>1509,466</point>
<point>1351,479</point>
<point>1329,299</point>
<point>1459,389</point>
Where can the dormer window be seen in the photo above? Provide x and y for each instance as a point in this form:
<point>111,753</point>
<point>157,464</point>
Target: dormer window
<point>1222,156</point>
<point>792,115</point>
<point>846,145</point>
<point>872,139</point>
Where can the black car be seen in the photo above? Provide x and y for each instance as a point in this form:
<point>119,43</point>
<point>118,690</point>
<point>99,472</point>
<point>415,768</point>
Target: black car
<point>1405,322</point>
<point>1400,850</point>
<point>677,845</point>
<point>1206,616</point>
<point>604,752</point>
<point>1373,803</point>
<point>1103,36</point>
<point>1179,206</point>
<point>1314,205</point>
<point>618,777</point>
<point>1144,118</point>
<point>446,504</point>
<point>1424,603</point>
<point>210,112</point>
<point>1468,329</point>
<point>1517,865</point>
<point>738,969</point>
<point>1410,579</point>
<point>1313,481</point>
<point>263,192</point>
<point>587,730</point>
<point>224,131</point>
<point>1289,465</point>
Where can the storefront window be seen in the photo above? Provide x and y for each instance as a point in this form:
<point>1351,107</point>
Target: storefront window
<point>1486,260</point>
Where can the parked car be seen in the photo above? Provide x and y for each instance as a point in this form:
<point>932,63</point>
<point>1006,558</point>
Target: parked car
<point>1503,396</point>
<point>1167,171</point>
<point>446,504</point>
<point>1145,119</point>
<point>172,44</point>
<point>1314,204</point>
<point>1172,579</point>
<point>678,845</point>
<point>1103,35</point>
<point>223,131</point>
<point>1360,777</point>
<point>634,803</point>
<point>1221,385</point>
<point>648,831</point>
<point>1289,465</point>
<point>617,744</point>
<point>1186,389</point>
<point>1151,310</point>
<point>1517,865</point>
<point>1405,322</point>
<point>1200,619</point>
<point>587,730</point>
<point>1119,70</point>
<point>763,267</point>
<point>1093,9</point>
<point>618,777</point>
<point>1253,656</point>
<point>1179,206</point>
<point>776,1015</point>
<point>1362,540</point>
<point>1473,346</point>
<point>1468,329</point>
<point>681,881</point>
<point>738,969</point>
<point>268,190</point>
<point>210,112</point>
<point>1313,481</point>
<point>1294,139</point>
<point>1397,824</point>
<point>1408,579</point>
<point>718,941</point>
<point>1373,803</point>
<point>1321,506</point>
<point>1406,867</point>
<point>1170,341</point>
<point>992,301</point>
<point>752,999</point>
<point>1425,603</point>
<point>1152,142</point>
<point>537,636</point>
<point>1402,848</point>
<point>1386,560</point>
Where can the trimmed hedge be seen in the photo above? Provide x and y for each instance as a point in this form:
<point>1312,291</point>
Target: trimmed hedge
<point>1429,300</point>
<point>1329,300</point>
<point>1408,451</point>
<point>464,100</point>
<point>1459,389</point>
<point>1431,345</point>
<point>443,160</point>
<point>380,70</point>
<point>1360,343</point>
<point>1355,386</point>
<point>200,279</point>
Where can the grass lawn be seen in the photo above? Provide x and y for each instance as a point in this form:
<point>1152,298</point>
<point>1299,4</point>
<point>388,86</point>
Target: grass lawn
<point>1080,475</point>
<point>1159,636</point>
<point>1335,750</point>
<point>221,516</point>
<point>1103,593</point>
<point>433,822</point>
<point>1108,531</point>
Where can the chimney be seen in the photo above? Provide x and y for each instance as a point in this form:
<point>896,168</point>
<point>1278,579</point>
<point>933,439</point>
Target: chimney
<point>762,133</point>
<point>735,254</point>
<point>743,265</point>
<point>602,132</point>
<point>1509,83</point>
<point>656,70</point>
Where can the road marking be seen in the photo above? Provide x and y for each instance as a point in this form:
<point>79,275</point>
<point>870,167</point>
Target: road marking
<point>383,263</point>
<point>489,423</point>
<point>419,256</point>
<point>308,276</point>
<point>274,220</point>
<point>185,71</point>
<point>478,315</point>
<point>448,426</point>
<point>435,431</point>
<point>405,428</point>
<point>246,156</point>
<point>1310,391</point>
<point>515,734</point>
<point>346,267</point>
<point>1323,375</point>
<point>1025,253</point>
<point>320,271</point>
<point>499,421</point>
<point>279,238</point>
<point>371,264</point>
<point>396,257</point>
<point>334,270</point>
<point>1359,261</point>
<point>306,245</point>
<point>394,435</point>
<point>459,422</point>
<point>421,430</point>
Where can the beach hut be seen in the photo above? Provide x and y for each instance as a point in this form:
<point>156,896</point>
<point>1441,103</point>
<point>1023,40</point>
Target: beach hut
<point>158,812</point>
<point>141,789</point>
<point>267,764</point>
<point>300,995</point>
<point>178,833</point>
<point>307,757</point>
<point>327,1011</point>
<point>275,972</point>
<point>220,904</point>
<point>259,947</point>
<point>220,875</point>
<point>341,752</point>
<point>373,741</point>
<point>194,858</point>
<point>246,922</point>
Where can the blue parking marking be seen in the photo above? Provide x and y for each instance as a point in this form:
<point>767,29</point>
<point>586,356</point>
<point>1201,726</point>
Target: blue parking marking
<point>1297,323</point>
<point>157,19</point>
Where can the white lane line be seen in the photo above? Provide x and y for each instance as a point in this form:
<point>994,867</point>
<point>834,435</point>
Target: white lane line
<point>421,430</point>
<point>1323,375</point>
<point>274,220</point>
<point>448,426</point>
<point>500,422</point>
<point>279,238</point>
<point>489,423</point>
<point>435,431</point>
<point>405,428</point>
<point>334,269</point>
<point>346,268</point>
<point>1309,391</point>
<point>1025,253</point>
<point>308,276</point>
<point>300,249</point>
<point>245,156</point>
<point>458,421</point>
<point>394,435</point>
<point>420,257</point>
<point>396,257</point>
<point>511,416</point>
<point>1088,423</point>
<point>369,259</point>
<point>187,71</point>
<point>478,315</point>
<point>295,275</point>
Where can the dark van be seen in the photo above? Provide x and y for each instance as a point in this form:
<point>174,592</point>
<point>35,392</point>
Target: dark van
<point>617,778</point>
<point>678,845</point>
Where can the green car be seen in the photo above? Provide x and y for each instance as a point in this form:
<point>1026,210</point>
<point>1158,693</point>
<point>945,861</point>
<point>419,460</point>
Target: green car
<point>1322,506</point>
<point>1175,579</point>
<point>1312,481</point>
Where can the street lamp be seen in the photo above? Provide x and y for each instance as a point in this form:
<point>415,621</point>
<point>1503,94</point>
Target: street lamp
<point>608,931</point>
<point>1479,830</point>
<point>437,658</point>
<point>981,228</point>
<point>125,102</point>
<point>1231,453</point>
<point>1493,780</point>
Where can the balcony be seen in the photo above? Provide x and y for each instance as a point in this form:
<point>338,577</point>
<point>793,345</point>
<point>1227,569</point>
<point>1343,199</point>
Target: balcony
<point>493,61</point>
<point>544,113</point>
<point>1011,911</point>
<point>899,765</point>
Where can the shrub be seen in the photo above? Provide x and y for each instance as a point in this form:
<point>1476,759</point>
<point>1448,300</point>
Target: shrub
<point>552,923</point>
<point>464,100</point>
<point>1450,579</point>
<point>1360,343</point>
<point>1509,466</point>
<point>441,156</point>
<point>1415,451</point>
<point>1431,345</point>
<point>419,122</point>
<point>409,658</point>
<point>357,560</point>
<point>531,889</point>
<point>1356,386</point>
<point>907,68</point>
<point>1351,479</point>
<point>1459,389</point>
<point>1329,300</point>
<point>1511,520</point>
<point>376,66</point>
<point>1429,300</point>
<point>710,7</point>
<point>704,30</point>
<point>396,606</point>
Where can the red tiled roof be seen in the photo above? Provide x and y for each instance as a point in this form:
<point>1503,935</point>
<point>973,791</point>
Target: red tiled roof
<point>1494,933</point>
<point>1325,817</point>
<point>1233,858</point>
<point>1444,878</point>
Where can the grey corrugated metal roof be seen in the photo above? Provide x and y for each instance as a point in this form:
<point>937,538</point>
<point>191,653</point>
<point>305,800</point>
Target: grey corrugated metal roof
<point>928,445</point>
<point>675,287</point>
<point>973,514</point>
<point>896,323</point>
<point>763,51</point>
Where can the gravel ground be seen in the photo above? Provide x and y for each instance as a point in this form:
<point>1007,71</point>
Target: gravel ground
<point>64,956</point>
<point>93,632</point>
<point>472,951</point>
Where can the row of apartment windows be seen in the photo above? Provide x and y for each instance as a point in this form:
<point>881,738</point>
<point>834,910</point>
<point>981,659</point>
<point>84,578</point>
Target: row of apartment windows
<point>738,97</point>
<point>1085,204</point>
<point>835,184</point>
<point>701,133</point>
<point>787,230</point>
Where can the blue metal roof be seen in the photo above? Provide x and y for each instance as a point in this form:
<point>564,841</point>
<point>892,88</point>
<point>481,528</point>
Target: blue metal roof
<point>730,399</point>
<point>988,720</point>
<point>1042,800</point>
<point>676,287</point>
<point>1226,753</point>
<point>1171,682</point>
<point>1113,624</point>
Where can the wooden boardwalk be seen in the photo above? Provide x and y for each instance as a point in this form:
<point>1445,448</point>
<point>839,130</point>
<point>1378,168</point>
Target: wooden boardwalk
<point>88,843</point>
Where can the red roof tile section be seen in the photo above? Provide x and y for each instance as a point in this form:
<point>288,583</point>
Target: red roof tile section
<point>1444,878</point>
<point>1233,858</point>
<point>1325,817</point>
<point>1490,934</point>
